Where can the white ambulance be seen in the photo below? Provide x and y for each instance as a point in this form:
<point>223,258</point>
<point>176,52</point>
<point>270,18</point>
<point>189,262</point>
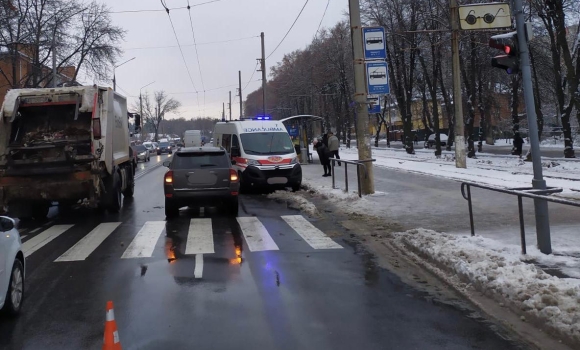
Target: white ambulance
<point>263,151</point>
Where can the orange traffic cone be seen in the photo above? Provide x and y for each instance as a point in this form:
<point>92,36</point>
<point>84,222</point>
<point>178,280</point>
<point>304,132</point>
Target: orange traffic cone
<point>111,339</point>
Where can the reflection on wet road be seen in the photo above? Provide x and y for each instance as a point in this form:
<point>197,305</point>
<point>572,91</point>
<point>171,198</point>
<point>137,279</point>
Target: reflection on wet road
<point>270,279</point>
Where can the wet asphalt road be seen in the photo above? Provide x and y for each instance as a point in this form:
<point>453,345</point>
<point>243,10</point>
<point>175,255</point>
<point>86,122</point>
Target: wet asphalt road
<point>296,297</point>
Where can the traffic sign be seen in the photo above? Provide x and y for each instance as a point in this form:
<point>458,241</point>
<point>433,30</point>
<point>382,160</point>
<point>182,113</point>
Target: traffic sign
<point>374,43</point>
<point>374,104</point>
<point>485,16</point>
<point>377,78</point>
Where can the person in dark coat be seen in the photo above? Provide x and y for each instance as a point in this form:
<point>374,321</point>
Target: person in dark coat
<point>324,156</point>
<point>518,143</point>
<point>325,139</point>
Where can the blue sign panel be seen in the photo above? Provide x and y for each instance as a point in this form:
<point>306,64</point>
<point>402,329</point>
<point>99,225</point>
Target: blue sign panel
<point>376,107</point>
<point>293,131</point>
<point>374,43</point>
<point>377,78</point>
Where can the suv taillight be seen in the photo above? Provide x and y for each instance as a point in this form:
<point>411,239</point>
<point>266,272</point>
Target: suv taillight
<point>169,177</point>
<point>233,175</point>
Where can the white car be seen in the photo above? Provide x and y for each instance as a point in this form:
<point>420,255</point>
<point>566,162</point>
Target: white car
<point>150,147</point>
<point>142,153</point>
<point>12,265</point>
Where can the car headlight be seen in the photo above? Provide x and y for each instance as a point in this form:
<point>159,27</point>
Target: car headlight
<point>142,153</point>
<point>294,160</point>
<point>253,162</point>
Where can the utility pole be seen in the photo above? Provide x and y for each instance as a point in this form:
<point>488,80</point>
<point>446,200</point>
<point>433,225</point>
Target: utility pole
<point>460,161</point>
<point>538,182</point>
<point>263,68</point>
<point>230,106</point>
<point>240,91</point>
<point>53,62</point>
<point>223,111</point>
<point>360,97</point>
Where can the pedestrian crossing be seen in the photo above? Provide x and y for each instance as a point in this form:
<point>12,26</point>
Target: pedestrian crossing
<point>199,242</point>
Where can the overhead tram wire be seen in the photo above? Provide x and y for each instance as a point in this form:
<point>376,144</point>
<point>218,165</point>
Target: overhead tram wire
<point>182,55</point>
<point>187,45</point>
<point>208,90</point>
<point>288,32</point>
<point>196,53</point>
<point>254,72</point>
<point>157,10</point>
<point>322,19</point>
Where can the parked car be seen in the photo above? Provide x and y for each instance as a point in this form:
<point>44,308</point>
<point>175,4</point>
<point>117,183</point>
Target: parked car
<point>164,147</point>
<point>12,267</point>
<point>431,141</point>
<point>142,153</point>
<point>200,176</point>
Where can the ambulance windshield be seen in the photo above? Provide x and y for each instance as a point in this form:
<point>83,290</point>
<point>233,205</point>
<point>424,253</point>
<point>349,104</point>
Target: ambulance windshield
<point>266,143</point>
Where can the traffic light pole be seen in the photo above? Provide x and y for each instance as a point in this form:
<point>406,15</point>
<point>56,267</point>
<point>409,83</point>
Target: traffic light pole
<point>360,97</point>
<point>538,182</point>
<point>460,160</point>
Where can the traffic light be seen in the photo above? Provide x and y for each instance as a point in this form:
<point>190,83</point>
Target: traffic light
<point>508,43</point>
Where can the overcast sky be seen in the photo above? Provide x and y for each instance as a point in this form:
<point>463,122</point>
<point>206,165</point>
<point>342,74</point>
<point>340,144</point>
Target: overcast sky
<point>218,21</point>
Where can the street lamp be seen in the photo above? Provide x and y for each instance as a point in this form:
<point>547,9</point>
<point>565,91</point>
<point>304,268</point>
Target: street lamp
<point>115,67</point>
<point>141,103</point>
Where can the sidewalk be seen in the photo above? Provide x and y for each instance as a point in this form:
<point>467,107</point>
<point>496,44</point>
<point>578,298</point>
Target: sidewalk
<point>542,288</point>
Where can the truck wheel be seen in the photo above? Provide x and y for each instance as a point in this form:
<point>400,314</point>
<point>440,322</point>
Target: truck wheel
<point>130,190</point>
<point>40,210</point>
<point>113,196</point>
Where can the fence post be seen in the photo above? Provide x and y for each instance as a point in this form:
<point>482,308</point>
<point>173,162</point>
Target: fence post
<point>358,180</point>
<point>346,177</point>
<point>522,227</point>
<point>332,171</point>
<point>470,210</point>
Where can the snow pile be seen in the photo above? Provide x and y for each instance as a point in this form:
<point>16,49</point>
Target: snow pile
<point>295,201</point>
<point>499,272</point>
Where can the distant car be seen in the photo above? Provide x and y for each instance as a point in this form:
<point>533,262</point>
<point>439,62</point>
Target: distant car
<point>155,147</point>
<point>12,267</point>
<point>164,147</point>
<point>431,140</point>
<point>142,153</point>
<point>200,176</point>
<point>150,147</point>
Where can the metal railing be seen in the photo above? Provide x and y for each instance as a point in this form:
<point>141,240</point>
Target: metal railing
<point>359,164</point>
<point>521,192</point>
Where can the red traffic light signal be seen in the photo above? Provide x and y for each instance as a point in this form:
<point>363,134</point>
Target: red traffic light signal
<point>508,43</point>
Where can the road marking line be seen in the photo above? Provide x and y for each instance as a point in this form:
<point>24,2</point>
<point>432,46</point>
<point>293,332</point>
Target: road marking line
<point>89,243</point>
<point>200,237</point>
<point>198,271</point>
<point>313,236</point>
<point>37,229</point>
<point>145,241</point>
<point>42,239</point>
<point>257,237</point>
<point>23,236</point>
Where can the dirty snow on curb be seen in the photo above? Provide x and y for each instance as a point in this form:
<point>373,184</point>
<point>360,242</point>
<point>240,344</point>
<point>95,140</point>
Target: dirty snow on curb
<point>297,200</point>
<point>524,287</point>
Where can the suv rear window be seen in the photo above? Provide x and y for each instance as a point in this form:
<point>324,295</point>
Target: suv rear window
<point>200,160</point>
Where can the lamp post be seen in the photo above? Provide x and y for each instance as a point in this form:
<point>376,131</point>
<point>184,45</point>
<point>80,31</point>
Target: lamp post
<point>141,105</point>
<point>115,67</point>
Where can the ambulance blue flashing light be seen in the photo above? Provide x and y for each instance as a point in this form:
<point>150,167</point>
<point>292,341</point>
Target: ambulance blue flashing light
<point>263,117</point>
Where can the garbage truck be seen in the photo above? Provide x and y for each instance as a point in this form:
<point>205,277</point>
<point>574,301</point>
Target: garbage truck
<point>69,145</point>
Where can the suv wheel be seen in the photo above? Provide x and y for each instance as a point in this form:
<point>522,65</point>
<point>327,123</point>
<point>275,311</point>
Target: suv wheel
<point>15,295</point>
<point>233,207</point>
<point>171,210</point>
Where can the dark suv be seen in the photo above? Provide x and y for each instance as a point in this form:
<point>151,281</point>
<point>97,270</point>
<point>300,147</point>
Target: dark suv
<point>164,147</point>
<point>200,176</point>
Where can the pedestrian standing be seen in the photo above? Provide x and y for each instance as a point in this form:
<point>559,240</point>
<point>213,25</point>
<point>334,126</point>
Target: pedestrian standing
<point>323,155</point>
<point>518,143</point>
<point>325,139</point>
<point>333,145</point>
<point>416,139</point>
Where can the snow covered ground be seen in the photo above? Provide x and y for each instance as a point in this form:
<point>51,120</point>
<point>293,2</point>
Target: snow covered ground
<point>495,266</point>
<point>487,169</point>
